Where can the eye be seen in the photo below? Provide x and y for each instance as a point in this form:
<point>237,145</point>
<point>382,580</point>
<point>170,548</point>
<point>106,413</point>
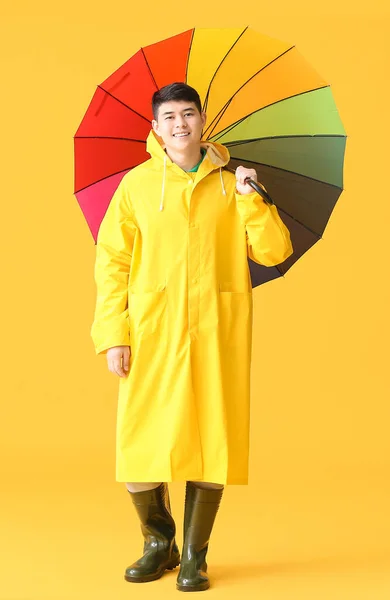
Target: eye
<point>168,118</point>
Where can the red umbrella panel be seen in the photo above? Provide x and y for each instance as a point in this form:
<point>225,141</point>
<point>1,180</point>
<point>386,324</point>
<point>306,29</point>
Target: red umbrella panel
<point>111,138</point>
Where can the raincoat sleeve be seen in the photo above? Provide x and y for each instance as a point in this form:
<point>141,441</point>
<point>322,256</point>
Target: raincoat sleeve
<point>267,237</point>
<point>112,267</point>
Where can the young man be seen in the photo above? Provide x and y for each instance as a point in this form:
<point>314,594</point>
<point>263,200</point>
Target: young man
<point>174,316</point>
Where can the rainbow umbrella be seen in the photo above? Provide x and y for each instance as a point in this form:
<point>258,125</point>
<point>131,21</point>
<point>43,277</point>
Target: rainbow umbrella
<point>263,101</point>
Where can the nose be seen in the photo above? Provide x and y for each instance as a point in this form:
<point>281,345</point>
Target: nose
<point>180,122</point>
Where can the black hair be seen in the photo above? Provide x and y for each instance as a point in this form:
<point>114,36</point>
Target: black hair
<point>175,91</point>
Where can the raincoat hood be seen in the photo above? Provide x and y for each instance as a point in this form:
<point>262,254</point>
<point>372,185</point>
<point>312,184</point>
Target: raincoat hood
<point>217,156</point>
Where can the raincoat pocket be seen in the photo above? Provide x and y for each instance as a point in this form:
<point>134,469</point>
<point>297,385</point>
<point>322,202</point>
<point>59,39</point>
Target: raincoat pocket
<point>235,314</point>
<point>146,310</point>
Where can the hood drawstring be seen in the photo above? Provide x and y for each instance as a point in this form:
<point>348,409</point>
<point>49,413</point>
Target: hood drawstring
<point>223,187</point>
<point>163,183</point>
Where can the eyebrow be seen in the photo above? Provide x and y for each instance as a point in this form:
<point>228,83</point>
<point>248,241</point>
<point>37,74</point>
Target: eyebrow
<point>171,112</point>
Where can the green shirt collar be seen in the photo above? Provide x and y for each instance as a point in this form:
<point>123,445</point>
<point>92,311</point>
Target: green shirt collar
<point>194,169</point>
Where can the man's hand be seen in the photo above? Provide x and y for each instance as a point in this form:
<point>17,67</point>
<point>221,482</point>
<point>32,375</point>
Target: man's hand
<point>118,360</point>
<point>241,174</point>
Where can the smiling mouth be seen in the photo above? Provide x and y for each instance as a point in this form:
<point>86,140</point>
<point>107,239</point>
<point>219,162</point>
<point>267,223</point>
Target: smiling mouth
<point>180,134</point>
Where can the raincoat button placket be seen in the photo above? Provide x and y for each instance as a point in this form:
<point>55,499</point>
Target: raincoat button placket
<point>193,274</point>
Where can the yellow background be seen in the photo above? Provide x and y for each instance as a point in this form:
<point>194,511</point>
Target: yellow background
<point>314,521</point>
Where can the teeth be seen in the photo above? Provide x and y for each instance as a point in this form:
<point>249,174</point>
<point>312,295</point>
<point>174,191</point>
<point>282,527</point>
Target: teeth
<point>180,134</point>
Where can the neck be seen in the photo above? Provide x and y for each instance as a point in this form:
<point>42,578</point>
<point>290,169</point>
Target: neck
<point>188,160</point>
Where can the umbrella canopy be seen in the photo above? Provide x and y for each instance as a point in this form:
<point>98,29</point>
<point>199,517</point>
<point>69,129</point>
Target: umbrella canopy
<point>264,102</point>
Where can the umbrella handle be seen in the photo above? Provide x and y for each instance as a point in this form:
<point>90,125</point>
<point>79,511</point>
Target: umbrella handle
<point>254,185</point>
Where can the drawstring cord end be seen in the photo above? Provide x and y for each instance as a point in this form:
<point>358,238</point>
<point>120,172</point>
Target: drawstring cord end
<point>222,184</point>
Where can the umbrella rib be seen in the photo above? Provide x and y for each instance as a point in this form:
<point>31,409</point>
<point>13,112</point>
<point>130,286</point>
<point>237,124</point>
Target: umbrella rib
<point>282,209</point>
<point>224,108</point>
<point>123,104</point>
<point>235,143</point>
<point>103,178</point>
<point>300,223</point>
<point>297,221</point>
<point>276,267</point>
<point>292,217</point>
<point>287,171</point>
<point>229,129</point>
<point>189,53</point>
<point>150,70</point>
<point>219,66</point>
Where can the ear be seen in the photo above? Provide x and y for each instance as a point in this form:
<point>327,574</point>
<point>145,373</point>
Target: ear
<point>204,118</point>
<point>155,127</point>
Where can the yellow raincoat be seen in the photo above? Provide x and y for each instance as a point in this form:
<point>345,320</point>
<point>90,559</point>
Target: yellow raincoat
<point>173,282</point>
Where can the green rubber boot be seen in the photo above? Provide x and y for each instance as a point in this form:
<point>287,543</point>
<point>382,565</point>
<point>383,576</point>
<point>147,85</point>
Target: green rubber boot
<point>158,528</point>
<point>201,508</point>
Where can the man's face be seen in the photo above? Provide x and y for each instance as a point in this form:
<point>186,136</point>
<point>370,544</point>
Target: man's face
<point>179,124</point>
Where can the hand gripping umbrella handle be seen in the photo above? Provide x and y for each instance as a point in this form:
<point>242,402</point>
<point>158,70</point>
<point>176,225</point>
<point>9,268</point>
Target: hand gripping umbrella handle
<point>259,190</point>
<point>254,184</point>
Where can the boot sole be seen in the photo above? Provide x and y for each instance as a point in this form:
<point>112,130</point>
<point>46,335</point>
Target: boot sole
<point>193,588</point>
<point>145,578</point>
